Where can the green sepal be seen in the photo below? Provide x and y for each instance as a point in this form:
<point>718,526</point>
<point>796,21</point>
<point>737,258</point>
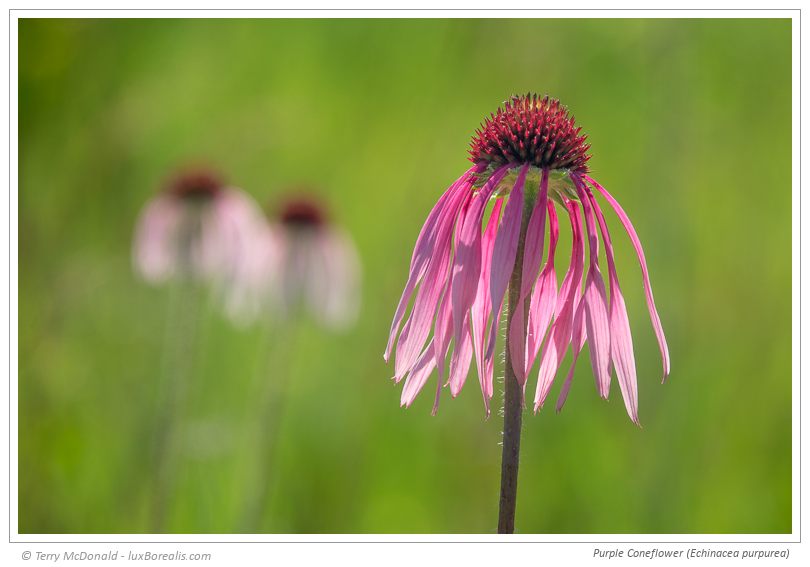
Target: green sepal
<point>560,185</point>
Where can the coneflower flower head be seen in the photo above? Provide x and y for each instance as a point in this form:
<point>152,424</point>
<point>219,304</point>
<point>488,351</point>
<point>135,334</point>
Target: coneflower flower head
<point>533,130</point>
<point>529,157</point>
<point>197,228</point>
<point>307,264</point>
<point>320,270</point>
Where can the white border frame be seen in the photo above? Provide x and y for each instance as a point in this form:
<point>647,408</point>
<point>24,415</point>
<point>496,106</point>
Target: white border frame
<point>607,539</point>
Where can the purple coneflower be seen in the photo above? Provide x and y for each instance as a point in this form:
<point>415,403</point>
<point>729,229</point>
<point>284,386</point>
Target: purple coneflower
<point>197,228</point>
<point>306,263</point>
<point>197,231</point>
<point>309,265</point>
<point>529,163</point>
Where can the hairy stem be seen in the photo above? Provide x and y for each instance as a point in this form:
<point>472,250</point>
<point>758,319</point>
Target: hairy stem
<point>513,394</point>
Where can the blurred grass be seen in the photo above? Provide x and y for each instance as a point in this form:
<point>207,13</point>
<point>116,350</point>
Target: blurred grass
<point>690,124</point>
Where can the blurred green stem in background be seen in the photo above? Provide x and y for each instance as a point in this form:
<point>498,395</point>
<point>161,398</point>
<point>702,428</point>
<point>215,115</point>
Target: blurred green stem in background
<point>185,295</point>
<point>272,386</point>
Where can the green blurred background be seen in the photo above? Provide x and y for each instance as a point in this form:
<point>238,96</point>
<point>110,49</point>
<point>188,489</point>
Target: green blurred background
<point>691,129</point>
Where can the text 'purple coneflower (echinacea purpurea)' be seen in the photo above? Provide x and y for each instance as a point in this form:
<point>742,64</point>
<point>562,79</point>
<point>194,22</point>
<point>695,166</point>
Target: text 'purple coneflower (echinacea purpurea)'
<point>529,163</point>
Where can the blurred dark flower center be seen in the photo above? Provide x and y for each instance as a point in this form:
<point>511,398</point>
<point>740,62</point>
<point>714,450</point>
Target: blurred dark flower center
<point>302,213</point>
<point>196,185</point>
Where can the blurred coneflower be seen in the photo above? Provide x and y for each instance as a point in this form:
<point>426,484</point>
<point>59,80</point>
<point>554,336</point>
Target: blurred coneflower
<point>197,228</point>
<point>529,158</point>
<point>306,264</point>
<point>196,233</point>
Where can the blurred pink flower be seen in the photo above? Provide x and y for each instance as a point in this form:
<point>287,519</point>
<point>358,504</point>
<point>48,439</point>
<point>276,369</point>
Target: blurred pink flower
<point>305,263</point>
<point>529,158</point>
<point>197,228</point>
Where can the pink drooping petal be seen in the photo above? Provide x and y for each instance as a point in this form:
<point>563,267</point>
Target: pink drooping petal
<point>621,351</point>
<point>423,250</point>
<point>256,286</point>
<point>541,309</point>
<point>331,276</point>
<point>443,327</point>
<point>568,278</point>
<point>532,257</point>
<point>216,247</point>
<point>517,345</point>
<point>467,262</point>
<point>560,333</point>
<point>597,327</point>
<point>544,296</point>
<point>418,376</point>
<point>577,342</point>
<point>489,356</point>
<point>433,283</point>
<point>631,232</point>
<point>343,266</point>
<point>422,315</point>
<point>506,245</point>
<point>442,333</point>
<point>597,322</point>
<point>535,236</point>
<point>482,307</point>
<point>406,331</point>
<point>621,341</point>
<point>554,229</point>
<point>228,238</point>
<point>460,361</point>
<point>154,250</point>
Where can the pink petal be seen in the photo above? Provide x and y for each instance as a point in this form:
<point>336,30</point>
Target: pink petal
<point>578,334</point>
<point>544,296</point>
<point>597,326</point>
<point>577,342</point>
<point>597,322</point>
<point>434,281</point>
<point>560,333</point>
<point>535,234</point>
<point>489,356</point>
<point>467,264</point>
<point>482,307</point>
<point>532,256</point>
<point>154,251</point>
<point>460,361</point>
<point>565,287</point>
<point>621,349</point>
<point>541,309</point>
<point>442,333</point>
<point>443,327</point>
<point>424,248</point>
<point>506,245</point>
<point>621,341</point>
<point>406,330</point>
<point>418,376</point>
<point>239,218</point>
<point>517,345</point>
<point>332,281</point>
<point>631,232</point>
